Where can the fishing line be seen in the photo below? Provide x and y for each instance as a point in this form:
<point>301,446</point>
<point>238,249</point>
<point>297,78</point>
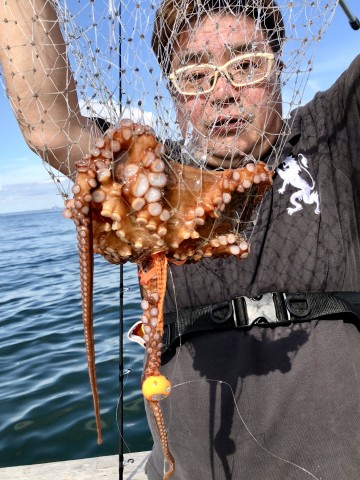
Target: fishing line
<point>221,382</point>
<point>119,405</point>
<point>274,455</point>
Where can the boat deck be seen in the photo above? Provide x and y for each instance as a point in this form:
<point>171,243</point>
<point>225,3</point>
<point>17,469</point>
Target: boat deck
<point>98,468</point>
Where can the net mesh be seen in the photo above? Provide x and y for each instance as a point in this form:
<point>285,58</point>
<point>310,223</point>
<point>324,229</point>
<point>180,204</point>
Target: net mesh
<point>115,73</point>
<point>215,79</point>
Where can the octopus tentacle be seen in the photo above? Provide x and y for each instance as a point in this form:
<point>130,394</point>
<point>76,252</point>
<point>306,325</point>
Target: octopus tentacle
<point>153,291</point>
<point>159,421</point>
<point>79,209</point>
<point>155,386</point>
<point>132,203</point>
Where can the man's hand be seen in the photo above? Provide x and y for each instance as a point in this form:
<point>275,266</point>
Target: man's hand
<point>39,83</point>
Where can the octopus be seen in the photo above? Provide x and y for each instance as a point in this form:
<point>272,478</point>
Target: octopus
<point>131,202</point>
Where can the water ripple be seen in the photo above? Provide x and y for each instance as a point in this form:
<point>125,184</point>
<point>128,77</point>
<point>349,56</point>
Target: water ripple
<point>46,405</point>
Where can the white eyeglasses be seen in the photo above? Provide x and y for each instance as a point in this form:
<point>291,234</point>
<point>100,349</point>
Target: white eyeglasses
<point>241,71</point>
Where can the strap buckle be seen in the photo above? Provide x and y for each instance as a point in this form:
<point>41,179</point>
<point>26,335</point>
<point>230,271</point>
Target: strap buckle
<point>298,305</point>
<point>268,309</point>
<point>222,312</point>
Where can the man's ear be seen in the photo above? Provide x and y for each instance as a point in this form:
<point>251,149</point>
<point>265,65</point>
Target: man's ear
<point>172,90</point>
<point>281,64</point>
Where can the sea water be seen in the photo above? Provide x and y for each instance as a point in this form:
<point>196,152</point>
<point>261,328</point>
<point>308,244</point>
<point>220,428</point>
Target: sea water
<point>46,409</point>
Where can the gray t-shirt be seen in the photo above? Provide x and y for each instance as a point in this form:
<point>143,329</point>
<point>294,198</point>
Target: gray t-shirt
<point>278,403</point>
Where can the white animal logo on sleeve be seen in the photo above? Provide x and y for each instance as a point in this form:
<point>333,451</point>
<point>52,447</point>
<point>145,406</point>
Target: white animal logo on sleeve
<point>294,172</point>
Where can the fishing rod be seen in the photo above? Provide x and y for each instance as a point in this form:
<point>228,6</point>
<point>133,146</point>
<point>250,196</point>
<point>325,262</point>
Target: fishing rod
<point>121,306</point>
<point>121,375</point>
<point>354,21</point>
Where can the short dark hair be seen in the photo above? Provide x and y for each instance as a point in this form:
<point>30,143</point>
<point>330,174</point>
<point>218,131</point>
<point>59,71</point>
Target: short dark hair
<point>173,15</point>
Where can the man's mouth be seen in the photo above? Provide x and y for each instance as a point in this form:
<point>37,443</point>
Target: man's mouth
<point>225,125</point>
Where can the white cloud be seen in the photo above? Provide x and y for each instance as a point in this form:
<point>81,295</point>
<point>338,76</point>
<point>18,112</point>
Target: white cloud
<point>23,170</point>
<point>110,111</point>
<point>29,196</point>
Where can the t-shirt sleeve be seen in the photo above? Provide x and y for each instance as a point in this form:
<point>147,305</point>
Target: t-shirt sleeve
<point>345,92</point>
<point>102,124</point>
<point>341,104</point>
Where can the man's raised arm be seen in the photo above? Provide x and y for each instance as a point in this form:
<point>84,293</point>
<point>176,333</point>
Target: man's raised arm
<point>40,85</point>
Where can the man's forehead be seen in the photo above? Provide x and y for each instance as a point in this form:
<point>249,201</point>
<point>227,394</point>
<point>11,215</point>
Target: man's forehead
<point>217,35</point>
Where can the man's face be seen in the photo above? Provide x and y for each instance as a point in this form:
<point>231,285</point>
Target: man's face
<point>232,121</point>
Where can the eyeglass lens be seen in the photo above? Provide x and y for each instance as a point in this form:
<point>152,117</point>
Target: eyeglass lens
<point>240,71</point>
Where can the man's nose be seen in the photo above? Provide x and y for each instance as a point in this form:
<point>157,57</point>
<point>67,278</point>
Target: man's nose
<point>223,90</point>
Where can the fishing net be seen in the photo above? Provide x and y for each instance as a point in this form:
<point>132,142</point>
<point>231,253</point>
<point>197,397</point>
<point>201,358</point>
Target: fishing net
<point>215,80</point>
<point>116,72</point>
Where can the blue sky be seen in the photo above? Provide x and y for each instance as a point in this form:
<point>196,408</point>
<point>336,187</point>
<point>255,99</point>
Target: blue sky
<point>25,184</point>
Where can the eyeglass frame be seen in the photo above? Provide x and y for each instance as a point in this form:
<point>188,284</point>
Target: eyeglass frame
<point>271,57</point>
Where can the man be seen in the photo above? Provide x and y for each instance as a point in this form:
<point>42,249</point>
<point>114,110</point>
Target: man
<point>278,401</point>
<point>263,402</point>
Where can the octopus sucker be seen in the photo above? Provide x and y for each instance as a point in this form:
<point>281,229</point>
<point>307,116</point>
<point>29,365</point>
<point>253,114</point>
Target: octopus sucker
<point>132,203</point>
